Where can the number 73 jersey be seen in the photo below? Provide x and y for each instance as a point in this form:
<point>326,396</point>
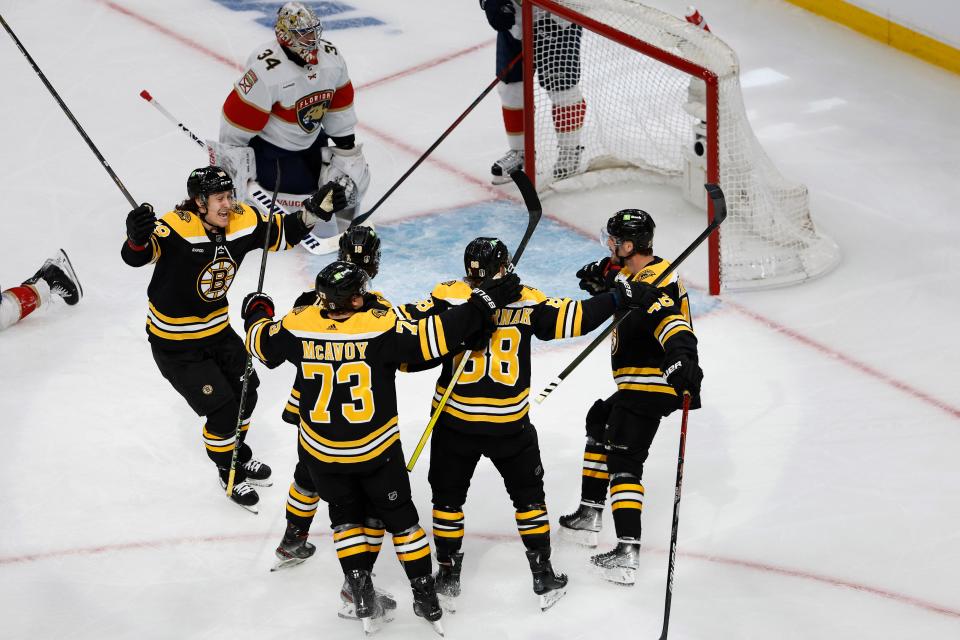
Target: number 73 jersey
<point>346,374</point>
<point>492,396</point>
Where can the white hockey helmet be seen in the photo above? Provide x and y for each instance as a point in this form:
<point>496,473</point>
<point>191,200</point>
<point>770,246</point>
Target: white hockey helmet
<point>299,29</point>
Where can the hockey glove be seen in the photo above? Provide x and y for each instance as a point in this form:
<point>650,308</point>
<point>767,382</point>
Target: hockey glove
<point>597,277</point>
<point>684,374</point>
<point>494,293</point>
<point>480,340</point>
<point>306,299</point>
<point>501,14</point>
<point>255,307</point>
<point>323,203</point>
<point>634,294</point>
<point>140,225</point>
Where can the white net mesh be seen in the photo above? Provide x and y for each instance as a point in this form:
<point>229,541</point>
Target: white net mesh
<point>604,112</point>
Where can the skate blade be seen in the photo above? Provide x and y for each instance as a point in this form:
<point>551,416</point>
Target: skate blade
<point>252,508</point>
<point>266,482</point>
<point>500,179</point>
<point>348,612</point>
<point>618,575</point>
<point>447,603</point>
<point>370,626</point>
<point>577,536</point>
<point>550,598</point>
<point>287,563</point>
<point>437,627</point>
<point>68,267</point>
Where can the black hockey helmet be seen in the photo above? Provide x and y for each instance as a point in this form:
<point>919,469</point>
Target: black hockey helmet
<point>635,225</point>
<point>361,246</point>
<point>338,282</point>
<point>206,181</point>
<point>484,257</point>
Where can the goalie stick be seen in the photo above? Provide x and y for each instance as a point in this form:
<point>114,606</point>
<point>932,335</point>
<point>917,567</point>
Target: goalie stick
<point>534,212</point>
<point>719,215</point>
<point>248,369</point>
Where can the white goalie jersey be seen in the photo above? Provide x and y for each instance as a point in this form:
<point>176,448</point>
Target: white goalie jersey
<point>288,105</point>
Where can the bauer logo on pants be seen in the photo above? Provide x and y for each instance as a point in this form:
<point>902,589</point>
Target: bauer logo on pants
<point>311,109</point>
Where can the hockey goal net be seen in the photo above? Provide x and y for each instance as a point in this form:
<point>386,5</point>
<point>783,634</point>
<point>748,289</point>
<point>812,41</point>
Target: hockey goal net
<point>621,91</point>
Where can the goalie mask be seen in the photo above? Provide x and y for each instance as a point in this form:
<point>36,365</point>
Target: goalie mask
<point>484,257</point>
<point>337,284</point>
<point>361,246</point>
<point>299,29</point>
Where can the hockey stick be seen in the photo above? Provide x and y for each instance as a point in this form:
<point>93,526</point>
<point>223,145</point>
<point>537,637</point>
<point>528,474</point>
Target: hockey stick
<point>719,215</point>
<point>443,136</point>
<point>69,114</point>
<point>249,367</point>
<point>676,516</point>
<point>534,211</point>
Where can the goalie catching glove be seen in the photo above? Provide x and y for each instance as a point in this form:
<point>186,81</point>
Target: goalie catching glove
<point>323,203</point>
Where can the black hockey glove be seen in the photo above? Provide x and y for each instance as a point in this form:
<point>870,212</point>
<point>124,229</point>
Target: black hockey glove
<point>494,293</point>
<point>306,299</point>
<point>634,294</point>
<point>480,340</point>
<point>256,306</point>
<point>501,14</point>
<point>684,374</point>
<point>140,224</point>
<point>323,203</point>
<point>597,277</point>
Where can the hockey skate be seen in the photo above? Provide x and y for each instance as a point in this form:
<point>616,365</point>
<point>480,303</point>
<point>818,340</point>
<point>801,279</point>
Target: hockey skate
<point>294,548</point>
<point>348,611</point>
<point>258,473</point>
<point>425,603</point>
<point>547,584</point>
<point>619,565</point>
<point>59,275</point>
<point>447,581</point>
<point>359,584</point>
<point>243,495</point>
<point>506,165</point>
<point>568,162</point>
<point>583,525</point>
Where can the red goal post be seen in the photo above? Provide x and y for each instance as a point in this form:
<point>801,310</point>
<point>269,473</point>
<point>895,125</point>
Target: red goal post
<point>618,91</point>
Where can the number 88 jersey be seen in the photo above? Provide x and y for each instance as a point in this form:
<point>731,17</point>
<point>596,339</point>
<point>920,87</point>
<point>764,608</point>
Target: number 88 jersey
<point>492,396</point>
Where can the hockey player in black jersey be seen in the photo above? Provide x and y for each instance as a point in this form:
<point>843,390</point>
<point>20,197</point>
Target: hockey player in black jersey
<point>196,249</point>
<point>486,415</point>
<point>361,246</point>
<point>654,361</point>
<point>347,353</point>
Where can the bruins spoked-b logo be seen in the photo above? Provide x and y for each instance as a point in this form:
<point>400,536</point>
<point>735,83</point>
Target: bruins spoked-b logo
<point>310,109</point>
<point>216,277</point>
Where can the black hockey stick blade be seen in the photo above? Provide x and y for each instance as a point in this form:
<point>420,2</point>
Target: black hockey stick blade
<point>719,215</point>
<point>534,209</point>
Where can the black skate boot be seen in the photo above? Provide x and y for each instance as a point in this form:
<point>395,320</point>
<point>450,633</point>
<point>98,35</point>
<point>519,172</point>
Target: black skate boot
<point>258,473</point>
<point>620,564</point>
<point>348,611</point>
<point>447,581</point>
<point>568,162</point>
<point>294,548</point>
<point>59,275</point>
<point>583,525</point>
<point>360,586</point>
<point>547,584</point>
<point>425,603</point>
<point>502,168</point>
<point>243,495</point>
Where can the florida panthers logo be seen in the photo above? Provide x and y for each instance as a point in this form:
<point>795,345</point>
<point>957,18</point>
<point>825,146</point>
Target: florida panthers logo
<point>215,279</point>
<point>311,109</point>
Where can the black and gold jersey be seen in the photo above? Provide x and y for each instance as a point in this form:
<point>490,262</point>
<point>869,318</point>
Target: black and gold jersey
<point>492,396</point>
<point>187,295</point>
<point>346,374</point>
<point>642,341</point>
<point>291,410</point>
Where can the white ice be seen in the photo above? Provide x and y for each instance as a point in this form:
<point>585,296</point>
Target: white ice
<point>822,489</point>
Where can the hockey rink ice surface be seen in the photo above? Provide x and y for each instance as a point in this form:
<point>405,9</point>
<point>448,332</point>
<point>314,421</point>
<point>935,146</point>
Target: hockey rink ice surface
<point>822,490</point>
